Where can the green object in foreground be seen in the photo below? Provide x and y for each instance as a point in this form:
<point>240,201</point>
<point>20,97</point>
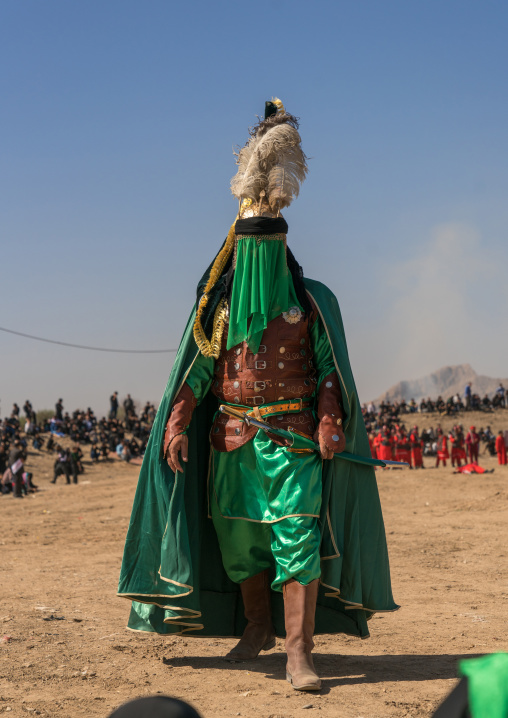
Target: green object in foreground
<point>487,679</point>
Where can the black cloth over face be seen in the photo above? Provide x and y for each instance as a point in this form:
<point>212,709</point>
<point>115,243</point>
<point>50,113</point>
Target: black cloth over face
<point>261,225</point>
<point>155,707</point>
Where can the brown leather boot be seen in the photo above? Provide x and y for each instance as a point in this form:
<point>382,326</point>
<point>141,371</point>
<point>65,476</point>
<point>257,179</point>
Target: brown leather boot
<point>259,634</point>
<point>300,614</point>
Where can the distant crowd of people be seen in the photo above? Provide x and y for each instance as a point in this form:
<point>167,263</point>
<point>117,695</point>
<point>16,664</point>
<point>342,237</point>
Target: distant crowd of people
<point>390,440</point>
<point>454,404</point>
<point>395,443</point>
<point>107,438</point>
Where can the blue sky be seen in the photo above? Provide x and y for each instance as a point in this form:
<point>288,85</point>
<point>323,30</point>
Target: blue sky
<point>118,122</point>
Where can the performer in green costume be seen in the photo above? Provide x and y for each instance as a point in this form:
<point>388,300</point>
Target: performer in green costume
<point>233,532</point>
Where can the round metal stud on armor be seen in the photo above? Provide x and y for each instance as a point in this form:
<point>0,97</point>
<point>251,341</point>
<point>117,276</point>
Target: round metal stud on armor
<point>328,384</point>
<point>282,350</point>
<point>335,437</point>
<point>238,351</point>
<point>238,431</point>
<point>237,366</point>
<point>236,399</point>
<point>293,315</point>
<point>281,365</point>
<point>236,384</point>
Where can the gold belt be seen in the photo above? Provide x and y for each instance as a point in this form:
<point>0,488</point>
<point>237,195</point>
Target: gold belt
<point>284,407</point>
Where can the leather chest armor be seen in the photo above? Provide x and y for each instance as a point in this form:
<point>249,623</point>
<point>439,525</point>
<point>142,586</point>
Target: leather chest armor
<point>282,369</point>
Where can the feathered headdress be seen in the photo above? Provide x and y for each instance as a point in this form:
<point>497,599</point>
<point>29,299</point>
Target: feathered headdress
<point>271,165</point>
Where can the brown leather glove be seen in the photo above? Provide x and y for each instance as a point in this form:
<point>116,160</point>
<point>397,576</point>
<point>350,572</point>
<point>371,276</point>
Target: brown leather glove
<point>179,444</point>
<point>330,433</point>
<point>175,440</point>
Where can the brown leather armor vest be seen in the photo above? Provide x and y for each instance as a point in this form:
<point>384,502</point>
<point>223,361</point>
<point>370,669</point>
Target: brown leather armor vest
<point>282,369</point>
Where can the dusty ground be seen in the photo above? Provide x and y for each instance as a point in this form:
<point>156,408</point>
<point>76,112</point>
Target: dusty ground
<point>65,650</point>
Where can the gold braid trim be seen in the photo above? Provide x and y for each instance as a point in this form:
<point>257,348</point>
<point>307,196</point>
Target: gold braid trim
<point>212,348</point>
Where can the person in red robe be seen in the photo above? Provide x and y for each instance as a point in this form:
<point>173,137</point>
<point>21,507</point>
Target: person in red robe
<point>472,444</point>
<point>461,439</point>
<point>372,444</point>
<point>457,441</point>
<point>416,449</point>
<point>385,445</point>
<point>442,448</point>
<point>472,469</point>
<point>402,447</point>
<point>500,448</point>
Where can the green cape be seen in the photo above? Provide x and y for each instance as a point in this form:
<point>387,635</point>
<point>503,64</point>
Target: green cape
<point>172,569</point>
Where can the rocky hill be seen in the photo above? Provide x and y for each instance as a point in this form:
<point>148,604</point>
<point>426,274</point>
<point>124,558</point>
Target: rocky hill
<point>446,381</point>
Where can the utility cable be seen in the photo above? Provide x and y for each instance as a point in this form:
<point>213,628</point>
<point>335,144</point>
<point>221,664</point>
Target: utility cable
<point>82,346</point>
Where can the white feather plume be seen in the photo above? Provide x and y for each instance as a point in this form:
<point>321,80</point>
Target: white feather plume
<point>249,180</point>
<point>289,170</point>
<point>273,163</point>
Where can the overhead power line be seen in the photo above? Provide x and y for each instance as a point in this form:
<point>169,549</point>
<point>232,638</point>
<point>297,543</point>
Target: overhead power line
<point>83,346</point>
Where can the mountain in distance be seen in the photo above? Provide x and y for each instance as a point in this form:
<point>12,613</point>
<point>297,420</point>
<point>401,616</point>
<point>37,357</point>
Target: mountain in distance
<point>445,382</point>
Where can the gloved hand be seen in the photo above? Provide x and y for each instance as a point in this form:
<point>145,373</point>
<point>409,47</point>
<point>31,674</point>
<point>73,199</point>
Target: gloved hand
<point>175,440</point>
<point>330,433</point>
<point>180,444</point>
<point>325,436</point>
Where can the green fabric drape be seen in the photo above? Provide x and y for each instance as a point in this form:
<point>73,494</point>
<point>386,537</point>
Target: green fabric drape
<point>172,568</point>
<point>262,289</point>
<point>487,685</point>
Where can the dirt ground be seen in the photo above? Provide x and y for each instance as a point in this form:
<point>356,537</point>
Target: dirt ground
<point>65,652</point>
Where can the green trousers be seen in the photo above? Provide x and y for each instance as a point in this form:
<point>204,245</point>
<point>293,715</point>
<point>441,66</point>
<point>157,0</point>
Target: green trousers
<point>265,503</point>
<point>289,547</point>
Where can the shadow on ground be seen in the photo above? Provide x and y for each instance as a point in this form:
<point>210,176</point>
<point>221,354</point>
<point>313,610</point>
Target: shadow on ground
<point>337,670</point>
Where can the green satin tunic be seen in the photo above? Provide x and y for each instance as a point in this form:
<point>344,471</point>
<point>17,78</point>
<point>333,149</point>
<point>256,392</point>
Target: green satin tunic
<point>262,481</point>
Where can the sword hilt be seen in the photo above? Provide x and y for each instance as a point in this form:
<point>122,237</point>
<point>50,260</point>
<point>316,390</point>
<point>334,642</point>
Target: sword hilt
<point>234,412</point>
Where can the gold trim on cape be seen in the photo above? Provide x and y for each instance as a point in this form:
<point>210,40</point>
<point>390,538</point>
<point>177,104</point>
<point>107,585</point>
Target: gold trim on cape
<point>334,543</point>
